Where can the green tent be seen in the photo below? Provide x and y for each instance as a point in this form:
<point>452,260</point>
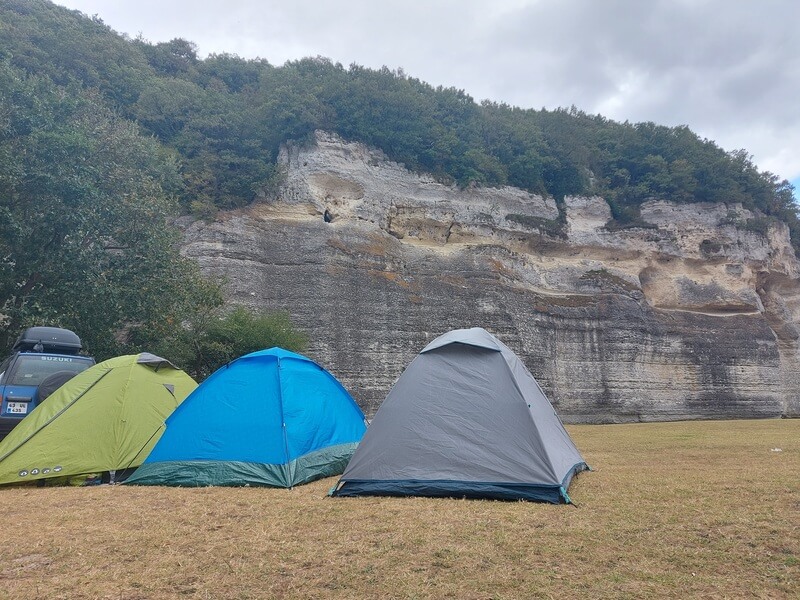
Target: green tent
<point>107,418</point>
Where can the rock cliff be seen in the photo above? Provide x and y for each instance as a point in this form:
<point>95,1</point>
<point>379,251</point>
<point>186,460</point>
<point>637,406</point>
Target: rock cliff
<point>694,316</point>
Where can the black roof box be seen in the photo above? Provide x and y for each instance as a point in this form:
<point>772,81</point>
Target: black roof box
<point>52,339</point>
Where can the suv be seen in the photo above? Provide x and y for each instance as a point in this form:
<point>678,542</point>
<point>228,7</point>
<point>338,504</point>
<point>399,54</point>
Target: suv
<point>42,360</point>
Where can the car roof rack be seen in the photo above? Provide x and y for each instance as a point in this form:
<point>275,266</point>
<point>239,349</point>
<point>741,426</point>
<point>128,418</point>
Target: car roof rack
<point>48,339</point>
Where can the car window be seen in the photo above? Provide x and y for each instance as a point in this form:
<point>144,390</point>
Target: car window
<point>32,370</point>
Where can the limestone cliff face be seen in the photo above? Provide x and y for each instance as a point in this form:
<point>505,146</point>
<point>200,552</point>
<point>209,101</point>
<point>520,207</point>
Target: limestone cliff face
<point>692,317</point>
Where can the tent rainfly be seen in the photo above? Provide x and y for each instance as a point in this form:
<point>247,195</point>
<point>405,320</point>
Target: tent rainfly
<point>270,418</point>
<point>106,418</point>
<point>466,419</point>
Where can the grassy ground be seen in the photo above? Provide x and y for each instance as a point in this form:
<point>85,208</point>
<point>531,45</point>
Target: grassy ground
<point>672,510</point>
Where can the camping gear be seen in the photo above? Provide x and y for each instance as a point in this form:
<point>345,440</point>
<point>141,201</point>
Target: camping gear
<point>270,418</point>
<point>105,419</point>
<point>48,339</point>
<point>465,419</point>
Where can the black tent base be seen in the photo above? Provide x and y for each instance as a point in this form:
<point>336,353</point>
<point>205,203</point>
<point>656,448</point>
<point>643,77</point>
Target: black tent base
<point>454,489</point>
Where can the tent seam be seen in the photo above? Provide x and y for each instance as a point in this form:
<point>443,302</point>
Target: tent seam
<point>55,416</point>
<point>283,425</point>
<point>530,414</point>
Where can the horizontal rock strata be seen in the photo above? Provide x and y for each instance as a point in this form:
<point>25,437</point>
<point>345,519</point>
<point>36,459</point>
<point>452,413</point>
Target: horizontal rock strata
<point>694,316</point>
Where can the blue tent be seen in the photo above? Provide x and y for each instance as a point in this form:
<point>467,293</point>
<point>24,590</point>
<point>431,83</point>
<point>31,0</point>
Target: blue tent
<point>270,418</point>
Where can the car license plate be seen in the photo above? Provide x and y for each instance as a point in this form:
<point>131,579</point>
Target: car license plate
<point>18,408</point>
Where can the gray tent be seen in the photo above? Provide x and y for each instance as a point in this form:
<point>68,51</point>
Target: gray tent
<point>465,419</point>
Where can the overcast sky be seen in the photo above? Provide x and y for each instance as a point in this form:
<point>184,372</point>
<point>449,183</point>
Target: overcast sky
<point>729,69</point>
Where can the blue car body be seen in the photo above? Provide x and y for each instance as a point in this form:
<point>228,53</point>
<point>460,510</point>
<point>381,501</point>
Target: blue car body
<point>22,374</point>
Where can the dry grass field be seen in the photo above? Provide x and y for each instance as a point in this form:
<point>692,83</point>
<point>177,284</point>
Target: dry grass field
<point>672,510</point>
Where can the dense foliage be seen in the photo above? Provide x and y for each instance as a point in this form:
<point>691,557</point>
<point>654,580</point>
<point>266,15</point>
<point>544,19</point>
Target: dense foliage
<point>227,117</point>
<point>85,200</point>
<point>212,340</point>
<point>102,137</point>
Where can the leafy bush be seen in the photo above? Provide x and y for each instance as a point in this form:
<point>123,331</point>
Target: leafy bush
<point>209,342</point>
